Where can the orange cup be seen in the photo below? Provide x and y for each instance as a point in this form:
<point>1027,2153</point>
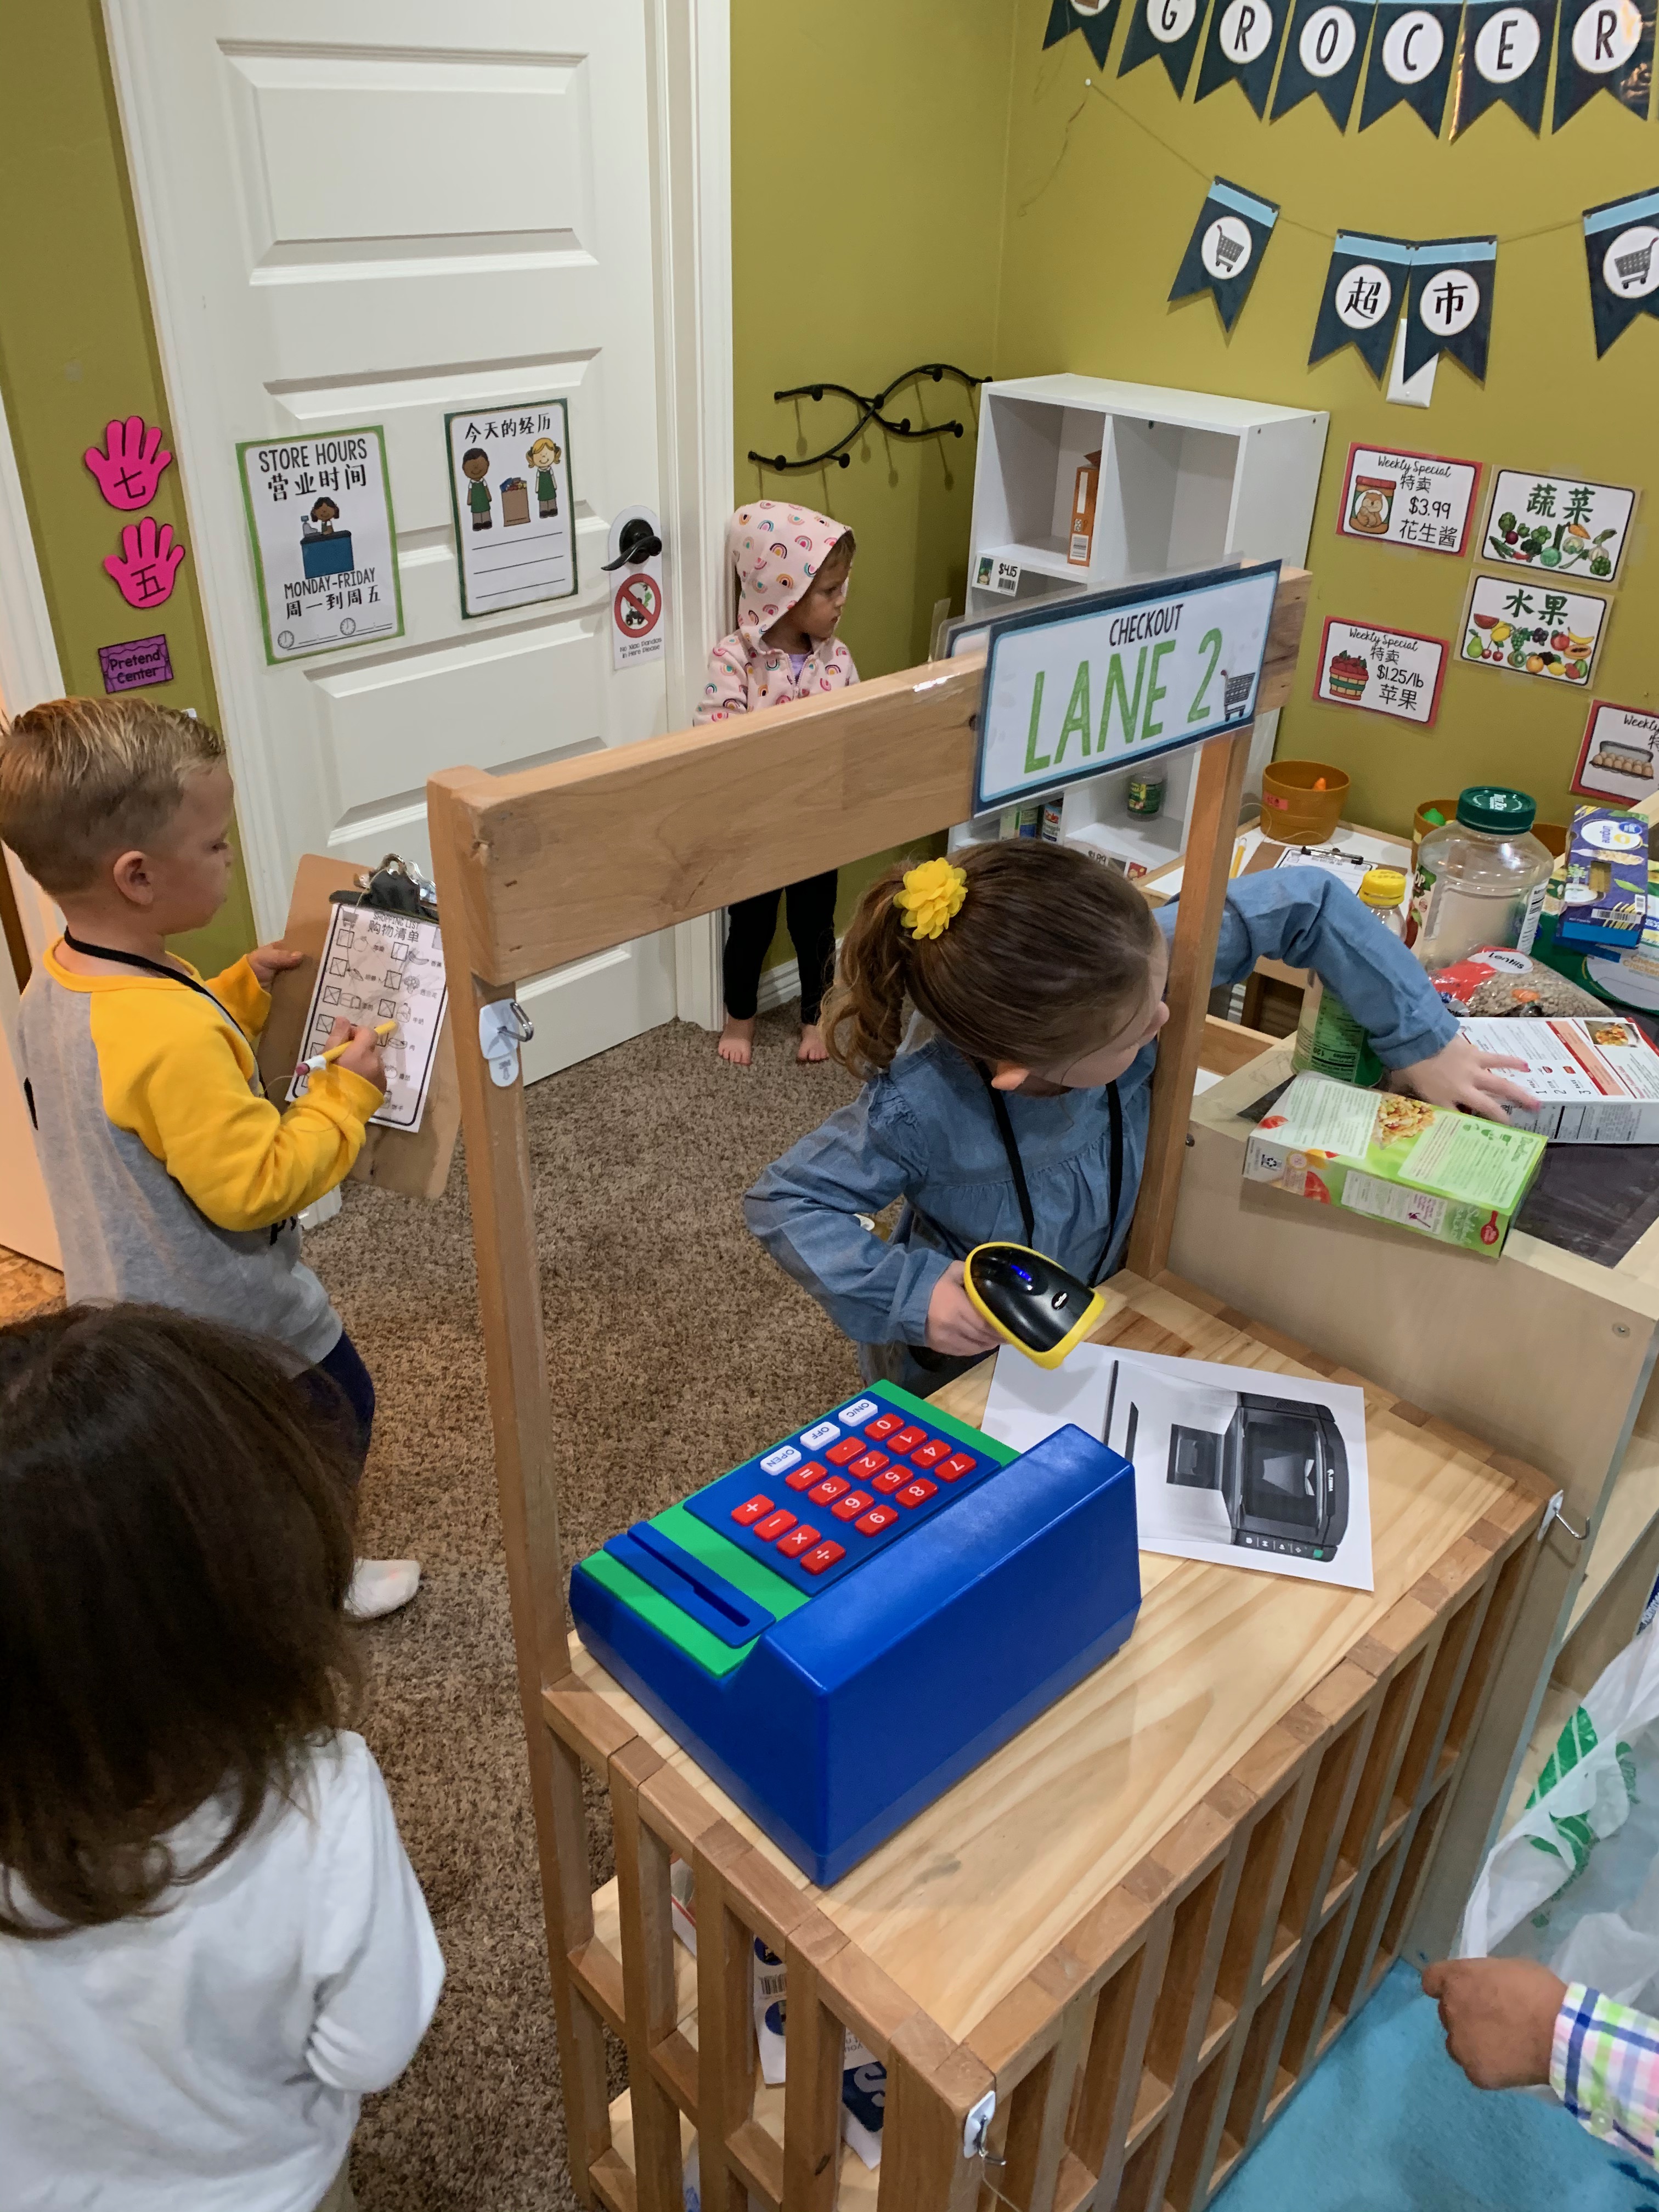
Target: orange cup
<point>1292,812</point>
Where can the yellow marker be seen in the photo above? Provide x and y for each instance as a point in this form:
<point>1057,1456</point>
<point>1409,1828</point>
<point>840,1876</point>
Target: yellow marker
<point>322,1059</point>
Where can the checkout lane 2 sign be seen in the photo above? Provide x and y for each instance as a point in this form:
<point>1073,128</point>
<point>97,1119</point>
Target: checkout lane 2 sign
<point>1110,680</point>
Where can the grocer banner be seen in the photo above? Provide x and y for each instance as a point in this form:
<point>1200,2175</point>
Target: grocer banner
<point>1603,45</point>
<point>1620,238</point>
<point>1096,18</point>
<point>1411,64</point>
<point>1364,286</point>
<point>1324,51</point>
<point>1166,31</point>
<point>1506,60</point>
<point>1075,687</point>
<point>1226,249</point>
<point>1242,48</point>
<point>1449,302</point>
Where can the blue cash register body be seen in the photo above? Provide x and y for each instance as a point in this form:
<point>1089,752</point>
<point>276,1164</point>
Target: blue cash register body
<point>843,1627</point>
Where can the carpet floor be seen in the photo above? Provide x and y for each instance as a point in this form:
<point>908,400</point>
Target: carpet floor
<point>675,1345</point>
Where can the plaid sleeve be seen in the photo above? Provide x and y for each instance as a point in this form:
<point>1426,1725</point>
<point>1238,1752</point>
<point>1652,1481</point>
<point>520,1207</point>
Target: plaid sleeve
<point>1604,2067</point>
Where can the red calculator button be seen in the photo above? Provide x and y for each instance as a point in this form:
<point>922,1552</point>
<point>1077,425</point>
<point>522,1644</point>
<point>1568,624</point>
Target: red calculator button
<point>805,1477</point>
<point>871,1463</point>
<point>825,1556</point>
<point>917,1492</point>
<point>908,1439</point>
<point>883,1425</point>
<point>930,1453</point>
<point>774,1525</point>
<point>751,1509</point>
<point>828,1490</point>
<point>849,1448</point>
<point>849,1508</point>
<point>801,1538</point>
<point>951,1470</point>
<point>890,1481</point>
<point>878,1518</point>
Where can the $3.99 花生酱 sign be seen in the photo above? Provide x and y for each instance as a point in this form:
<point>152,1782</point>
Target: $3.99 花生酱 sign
<point>1079,688</point>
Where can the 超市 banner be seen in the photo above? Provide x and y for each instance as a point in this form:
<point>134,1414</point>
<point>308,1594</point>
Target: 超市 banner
<point>1079,688</point>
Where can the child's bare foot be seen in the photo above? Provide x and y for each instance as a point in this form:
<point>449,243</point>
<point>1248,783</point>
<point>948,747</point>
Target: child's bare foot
<point>811,1046</point>
<point>737,1040</point>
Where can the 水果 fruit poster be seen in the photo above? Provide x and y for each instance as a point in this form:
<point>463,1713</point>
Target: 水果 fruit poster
<point>1560,523</point>
<point>1526,625</point>
<point>1383,671</point>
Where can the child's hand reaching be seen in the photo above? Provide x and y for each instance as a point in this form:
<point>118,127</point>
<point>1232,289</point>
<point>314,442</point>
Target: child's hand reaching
<point>1460,1075</point>
<point>955,1323</point>
<point>267,962</point>
<point>1499,2017</point>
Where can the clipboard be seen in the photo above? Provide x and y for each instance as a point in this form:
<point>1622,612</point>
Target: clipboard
<point>414,1165</point>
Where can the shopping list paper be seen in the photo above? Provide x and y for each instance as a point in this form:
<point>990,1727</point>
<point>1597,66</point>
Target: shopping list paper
<point>378,967</point>
<point>1231,1464</point>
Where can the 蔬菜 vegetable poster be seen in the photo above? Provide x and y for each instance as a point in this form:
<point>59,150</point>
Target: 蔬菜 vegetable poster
<point>1524,624</point>
<point>510,486</point>
<point>1408,499</point>
<point>1385,671</point>
<point>1578,529</point>
<point>319,513</point>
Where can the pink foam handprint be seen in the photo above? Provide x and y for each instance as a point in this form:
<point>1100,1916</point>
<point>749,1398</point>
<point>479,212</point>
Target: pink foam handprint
<point>129,467</point>
<point>147,563</point>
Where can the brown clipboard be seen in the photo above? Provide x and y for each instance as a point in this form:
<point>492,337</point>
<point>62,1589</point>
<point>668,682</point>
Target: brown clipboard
<point>415,1164</point>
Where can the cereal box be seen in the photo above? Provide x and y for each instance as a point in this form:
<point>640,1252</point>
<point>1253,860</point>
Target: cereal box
<point>1596,1080</point>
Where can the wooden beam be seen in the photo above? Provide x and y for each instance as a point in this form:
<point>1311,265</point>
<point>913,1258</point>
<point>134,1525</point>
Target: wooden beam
<point>562,861</point>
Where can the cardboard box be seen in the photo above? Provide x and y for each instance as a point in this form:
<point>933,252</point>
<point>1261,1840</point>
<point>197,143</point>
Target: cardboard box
<point>1604,898</point>
<point>1085,492</point>
<point>1445,1174</point>
<point>1596,1079</point>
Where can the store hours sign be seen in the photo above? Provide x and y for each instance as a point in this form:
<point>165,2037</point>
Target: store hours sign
<point>1075,690</point>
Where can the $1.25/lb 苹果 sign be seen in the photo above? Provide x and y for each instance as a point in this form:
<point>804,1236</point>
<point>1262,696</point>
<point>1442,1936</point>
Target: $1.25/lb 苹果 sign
<point>1092,685</point>
<point>1524,624</point>
<point>1381,672</point>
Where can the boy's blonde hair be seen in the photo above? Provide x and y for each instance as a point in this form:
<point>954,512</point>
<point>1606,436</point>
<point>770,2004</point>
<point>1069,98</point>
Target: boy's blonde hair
<point>83,779</point>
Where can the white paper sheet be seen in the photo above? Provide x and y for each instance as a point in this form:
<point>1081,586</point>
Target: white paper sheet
<point>378,967</point>
<point>1134,1400</point>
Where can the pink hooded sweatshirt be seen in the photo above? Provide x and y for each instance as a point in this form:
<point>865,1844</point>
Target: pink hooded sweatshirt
<point>776,549</point>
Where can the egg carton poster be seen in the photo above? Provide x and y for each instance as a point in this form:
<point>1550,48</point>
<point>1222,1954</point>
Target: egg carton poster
<point>319,515</point>
<point>378,967</point>
<point>1619,758</point>
<point>510,488</point>
<point>1529,627</point>
<point>1421,499</point>
<point>1563,523</point>
<point>1381,672</point>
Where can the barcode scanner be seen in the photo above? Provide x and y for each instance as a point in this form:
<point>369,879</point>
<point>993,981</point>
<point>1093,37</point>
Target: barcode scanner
<point>1030,1301</point>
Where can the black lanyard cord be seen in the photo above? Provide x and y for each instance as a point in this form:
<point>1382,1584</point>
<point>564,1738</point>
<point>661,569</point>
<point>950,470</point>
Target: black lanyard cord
<point>1009,1144</point>
<point>150,967</point>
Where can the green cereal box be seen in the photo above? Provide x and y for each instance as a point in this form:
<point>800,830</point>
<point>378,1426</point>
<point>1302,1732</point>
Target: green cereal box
<point>1446,1175</point>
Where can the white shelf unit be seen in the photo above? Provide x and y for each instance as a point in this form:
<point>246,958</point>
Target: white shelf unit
<point>1187,479</point>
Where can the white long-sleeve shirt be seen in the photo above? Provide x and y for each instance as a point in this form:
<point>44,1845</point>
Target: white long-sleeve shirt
<point>212,2058</point>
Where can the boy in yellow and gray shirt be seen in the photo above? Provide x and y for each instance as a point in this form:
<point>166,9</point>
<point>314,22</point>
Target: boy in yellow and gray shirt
<point>174,1180</point>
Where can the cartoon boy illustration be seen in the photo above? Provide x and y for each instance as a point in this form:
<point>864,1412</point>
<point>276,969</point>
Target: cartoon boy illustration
<point>475,467</point>
<point>323,516</point>
<point>545,457</point>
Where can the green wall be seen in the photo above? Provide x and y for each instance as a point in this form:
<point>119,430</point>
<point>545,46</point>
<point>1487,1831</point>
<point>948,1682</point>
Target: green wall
<point>1104,181</point>
<point>76,348</point>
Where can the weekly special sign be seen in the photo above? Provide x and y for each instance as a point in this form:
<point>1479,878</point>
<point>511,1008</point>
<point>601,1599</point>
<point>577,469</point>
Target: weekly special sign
<point>1107,681</point>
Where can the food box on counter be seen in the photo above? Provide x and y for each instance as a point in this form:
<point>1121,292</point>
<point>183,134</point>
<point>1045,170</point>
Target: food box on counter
<point>1596,1080</point>
<point>1430,1168</point>
<point>1604,898</point>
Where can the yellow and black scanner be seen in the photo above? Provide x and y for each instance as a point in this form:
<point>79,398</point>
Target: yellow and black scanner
<point>1030,1301</point>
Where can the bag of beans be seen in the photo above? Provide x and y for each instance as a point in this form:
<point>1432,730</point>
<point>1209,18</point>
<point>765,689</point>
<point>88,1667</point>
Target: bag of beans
<point>1498,981</point>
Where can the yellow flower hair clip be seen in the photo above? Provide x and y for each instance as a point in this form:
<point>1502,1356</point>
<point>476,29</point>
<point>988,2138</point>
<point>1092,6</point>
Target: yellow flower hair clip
<point>931,897</point>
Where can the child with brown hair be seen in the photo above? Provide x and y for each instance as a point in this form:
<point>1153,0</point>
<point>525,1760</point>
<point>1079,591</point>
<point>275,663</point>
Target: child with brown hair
<point>173,1179</point>
<point>211,1942</point>
<point>1015,1104</point>
<point>793,568</point>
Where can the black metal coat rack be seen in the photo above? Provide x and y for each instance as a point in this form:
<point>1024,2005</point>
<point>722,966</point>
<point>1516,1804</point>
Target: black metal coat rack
<point>869,406</point>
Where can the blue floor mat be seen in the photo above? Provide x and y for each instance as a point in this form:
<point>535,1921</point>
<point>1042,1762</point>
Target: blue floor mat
<point>1387,2123</point>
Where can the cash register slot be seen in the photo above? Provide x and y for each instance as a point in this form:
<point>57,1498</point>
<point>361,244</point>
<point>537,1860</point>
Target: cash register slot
<point>710,1599</point>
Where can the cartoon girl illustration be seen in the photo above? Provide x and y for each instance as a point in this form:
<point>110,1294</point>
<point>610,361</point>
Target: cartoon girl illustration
<point>544,456</point>
<point>323,516</point>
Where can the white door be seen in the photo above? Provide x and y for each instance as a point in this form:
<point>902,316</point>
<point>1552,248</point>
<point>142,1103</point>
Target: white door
<point>362,212</point>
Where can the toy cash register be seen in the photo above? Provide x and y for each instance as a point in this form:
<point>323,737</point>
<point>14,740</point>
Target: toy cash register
<point>843,1626</point>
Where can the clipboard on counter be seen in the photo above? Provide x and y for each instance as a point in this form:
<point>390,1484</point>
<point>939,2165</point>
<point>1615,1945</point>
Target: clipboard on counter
<point>349,913</point>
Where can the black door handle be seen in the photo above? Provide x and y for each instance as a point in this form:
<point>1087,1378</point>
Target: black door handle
<point>639,542</point>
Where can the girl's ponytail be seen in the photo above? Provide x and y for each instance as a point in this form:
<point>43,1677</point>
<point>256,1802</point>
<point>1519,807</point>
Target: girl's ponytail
<point>863,1016</point>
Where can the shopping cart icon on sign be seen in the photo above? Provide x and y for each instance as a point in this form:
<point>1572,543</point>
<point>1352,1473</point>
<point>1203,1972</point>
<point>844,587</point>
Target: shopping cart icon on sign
<point>1228,249</point>
<point>1237,691</point>
<point>1633,267</point>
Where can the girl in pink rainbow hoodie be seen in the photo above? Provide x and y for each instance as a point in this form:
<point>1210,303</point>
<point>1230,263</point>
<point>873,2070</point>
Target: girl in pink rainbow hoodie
<point>793,570</point>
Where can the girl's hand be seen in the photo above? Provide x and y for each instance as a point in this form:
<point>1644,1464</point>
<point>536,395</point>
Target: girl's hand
<point>267,962</point>
<point>955,1323</point>
<point>1499,2018</point>
<point>1458,1075</point>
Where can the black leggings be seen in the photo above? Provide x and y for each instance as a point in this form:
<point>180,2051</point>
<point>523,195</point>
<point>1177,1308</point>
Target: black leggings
<point>809,910</point>
<point>341,1389</point>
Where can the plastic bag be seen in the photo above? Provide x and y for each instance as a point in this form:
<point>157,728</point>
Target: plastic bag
<point>1575,1883</point>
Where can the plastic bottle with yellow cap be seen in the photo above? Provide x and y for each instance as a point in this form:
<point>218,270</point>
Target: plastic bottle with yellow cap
<point>1328,1040</point>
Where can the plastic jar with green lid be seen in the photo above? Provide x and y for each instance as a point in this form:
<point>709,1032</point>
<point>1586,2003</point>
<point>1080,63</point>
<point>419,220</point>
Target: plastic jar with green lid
<point>1481,879</point>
